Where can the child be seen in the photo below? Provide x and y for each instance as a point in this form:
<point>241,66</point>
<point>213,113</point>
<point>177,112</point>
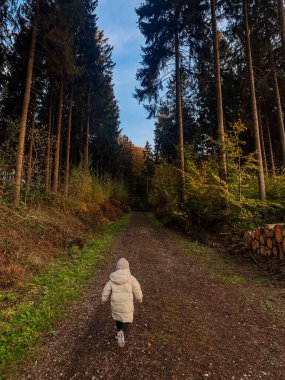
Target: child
<point>122,286</point>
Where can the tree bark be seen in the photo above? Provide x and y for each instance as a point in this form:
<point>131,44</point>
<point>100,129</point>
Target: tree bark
<point>282,26</point>
<point>219,97</point>
<point>179,120</point>
<point>279,106</point>
<point>87,130</point>
<point>81,136</point>
<point>270,147</point>
<point>67,169</point>
<point>262,144</point>
<point>261,182</point>
<point>30,156</point>
<point>25,107</point>
<point>58,141</point>
<point>48,157</point>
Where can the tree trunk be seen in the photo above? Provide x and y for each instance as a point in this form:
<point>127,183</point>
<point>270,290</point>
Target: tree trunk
<point>87,131</point>
<point>25,107</point>
<point>48,157</point>
<point>279,106</point>
<point>52,145</point>
<point>58,141</point>
<point>67,169</point>
<point>261,182</point>
<point>30,157</point>
<point>179,120</point>
<point>219,96</point>
<point>270,147</point>
<point>282,26</point>
<point>264,159</point>
<point>82,136</point>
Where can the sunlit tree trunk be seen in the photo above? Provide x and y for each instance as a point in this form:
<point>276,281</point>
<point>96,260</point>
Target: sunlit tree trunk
<point>261,182</point>
<point>219,96</point>
<point>271,155</point>
<point>25,107</point>
<point>67,169</point>
<point>179,120</point>
<point>58,141</point>
<point>264,159</point>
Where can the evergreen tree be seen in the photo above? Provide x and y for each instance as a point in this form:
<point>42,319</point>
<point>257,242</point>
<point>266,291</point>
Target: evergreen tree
<point>148,167</point>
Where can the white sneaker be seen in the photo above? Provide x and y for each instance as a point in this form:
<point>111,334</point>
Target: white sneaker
<point>121,338</point>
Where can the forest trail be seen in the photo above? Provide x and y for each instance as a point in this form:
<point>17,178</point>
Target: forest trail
<point>191,324</point>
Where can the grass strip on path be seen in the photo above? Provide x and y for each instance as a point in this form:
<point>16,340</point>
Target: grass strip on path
<point>212,260</point>
<point>36,305</point>
<point>153,219</point>
<point>215,262</point>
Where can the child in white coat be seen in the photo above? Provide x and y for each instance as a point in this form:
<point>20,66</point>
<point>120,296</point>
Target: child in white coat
<point>122,286</point>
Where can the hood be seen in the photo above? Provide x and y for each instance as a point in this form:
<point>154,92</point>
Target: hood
<point>120,276</point>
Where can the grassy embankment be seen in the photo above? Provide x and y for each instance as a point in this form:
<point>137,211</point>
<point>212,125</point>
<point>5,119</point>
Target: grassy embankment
<point>32,307</point>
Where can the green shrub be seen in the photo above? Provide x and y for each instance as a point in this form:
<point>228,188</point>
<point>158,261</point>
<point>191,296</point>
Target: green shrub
<point>207,196</point>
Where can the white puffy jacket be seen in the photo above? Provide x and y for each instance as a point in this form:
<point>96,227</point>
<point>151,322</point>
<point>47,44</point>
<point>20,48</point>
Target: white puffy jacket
<point>122,286</point>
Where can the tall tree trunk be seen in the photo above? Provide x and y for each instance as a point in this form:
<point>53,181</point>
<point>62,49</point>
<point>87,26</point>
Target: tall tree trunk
<point>48,156</point>
<point>282,25</point>
<point>179,120</point>
<point>25,107</point>
<point>219,96</point>
<point>67,169</point>
<point>263,150</point>
<point>87,131</point>
<point>82,136</point>
<point>30,156</point>
<point>261,182</point>
<point>270,147</point>
<point>58,141</point>
<point>279,106</point>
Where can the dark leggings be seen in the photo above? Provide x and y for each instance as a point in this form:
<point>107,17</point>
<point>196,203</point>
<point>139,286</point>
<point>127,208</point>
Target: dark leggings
<point>122,326</point>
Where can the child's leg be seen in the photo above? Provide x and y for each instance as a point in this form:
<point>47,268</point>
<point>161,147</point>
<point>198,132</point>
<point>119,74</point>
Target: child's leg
<point>122,325</point>
<point>118,325</point>
<point>120,334</point>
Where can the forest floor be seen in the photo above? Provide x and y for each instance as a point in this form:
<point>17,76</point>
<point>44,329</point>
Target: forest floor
<point>203,317</point>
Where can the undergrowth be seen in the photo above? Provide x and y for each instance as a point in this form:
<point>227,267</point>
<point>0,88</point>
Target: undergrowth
<point>34,307</point>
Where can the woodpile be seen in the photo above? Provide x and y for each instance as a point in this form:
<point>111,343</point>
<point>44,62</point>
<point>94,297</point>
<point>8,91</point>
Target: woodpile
<point>268,240</point>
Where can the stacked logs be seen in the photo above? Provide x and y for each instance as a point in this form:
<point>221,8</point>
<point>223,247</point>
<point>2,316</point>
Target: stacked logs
<point>267,241</point>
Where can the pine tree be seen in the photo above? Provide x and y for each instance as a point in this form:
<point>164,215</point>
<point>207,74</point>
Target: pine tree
<point>282,25</point>
<point>26,101</point>
<point>219,96</point>
<point>261,182</point>
<point>149,167</point>
<point>160,22</point>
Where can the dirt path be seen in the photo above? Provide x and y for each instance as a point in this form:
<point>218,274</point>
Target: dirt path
<point>190,326</point>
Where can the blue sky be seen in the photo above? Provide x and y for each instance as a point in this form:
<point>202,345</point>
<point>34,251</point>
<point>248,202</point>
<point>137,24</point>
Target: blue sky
<point>119,21</point>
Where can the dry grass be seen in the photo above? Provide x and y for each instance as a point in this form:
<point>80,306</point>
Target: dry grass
<point>30,238</point>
